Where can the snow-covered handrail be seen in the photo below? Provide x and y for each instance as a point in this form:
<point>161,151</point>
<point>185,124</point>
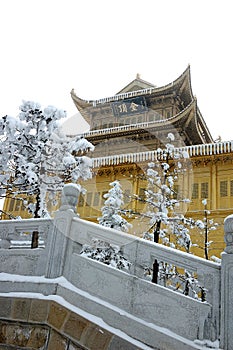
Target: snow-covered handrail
<point>192,151</point>
<point>142,253</point>
<point>17,233</point>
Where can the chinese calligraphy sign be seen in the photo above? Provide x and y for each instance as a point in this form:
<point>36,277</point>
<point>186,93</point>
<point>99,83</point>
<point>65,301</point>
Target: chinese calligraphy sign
<point>135,105</point>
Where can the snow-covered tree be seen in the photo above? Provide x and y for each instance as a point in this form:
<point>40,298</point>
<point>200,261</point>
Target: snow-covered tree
<point>163,203</point>
<point>111,211</point>
<point>206,226</point>
<point>36,159</point>
<point>162,200</point>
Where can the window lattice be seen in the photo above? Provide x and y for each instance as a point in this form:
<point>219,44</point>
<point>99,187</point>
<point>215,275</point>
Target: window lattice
<point>195,191</point>
<point>96,199</point>
<point>231,188</point>
<point>223,188</point>
<point>204,190</point>
<point>89,198</point>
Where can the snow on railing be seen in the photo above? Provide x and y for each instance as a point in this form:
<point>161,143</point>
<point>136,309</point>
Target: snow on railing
<point>128,127</point>
<point>142,253</point>
<point>192,151</point>
<point>18,233</point>
<point>120,128</point>
<point>123,96</point>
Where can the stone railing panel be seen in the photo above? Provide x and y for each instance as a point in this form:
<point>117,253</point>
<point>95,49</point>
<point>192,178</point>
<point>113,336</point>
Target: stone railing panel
<point>142,254</point>
<point>17,233</point>
<point>141,298</point>
<point>15,241</point>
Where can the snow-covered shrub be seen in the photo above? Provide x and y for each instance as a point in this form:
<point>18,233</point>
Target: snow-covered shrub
<point>177,279</point>
<point>106,253</point>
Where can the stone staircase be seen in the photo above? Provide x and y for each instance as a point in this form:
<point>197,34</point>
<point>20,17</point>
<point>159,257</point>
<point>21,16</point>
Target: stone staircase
<point>52,297</point>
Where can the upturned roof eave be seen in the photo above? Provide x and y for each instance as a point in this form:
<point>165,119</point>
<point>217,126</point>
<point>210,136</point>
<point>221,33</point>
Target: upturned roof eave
<point>184,78</point>
<point>201,120</point>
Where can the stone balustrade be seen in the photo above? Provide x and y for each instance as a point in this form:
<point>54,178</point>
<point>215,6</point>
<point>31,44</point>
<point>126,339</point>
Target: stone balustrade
<point>15,243</point>
<point>17,233</point>
<point>123,299</point>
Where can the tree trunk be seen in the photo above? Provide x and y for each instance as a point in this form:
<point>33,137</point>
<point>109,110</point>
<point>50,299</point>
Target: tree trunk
<point>206,237</point>
<point>35,234</point>
<point>157,231</point>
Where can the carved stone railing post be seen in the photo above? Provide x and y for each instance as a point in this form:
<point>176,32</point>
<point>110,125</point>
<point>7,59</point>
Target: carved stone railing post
<point>70,196</point>
<point>226,333</point>
<point>61,230</point>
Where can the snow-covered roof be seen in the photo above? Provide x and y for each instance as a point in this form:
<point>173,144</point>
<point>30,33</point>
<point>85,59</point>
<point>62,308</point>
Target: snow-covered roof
<point>192,151</point>
<point>180,89</point>
<point>181,81</point>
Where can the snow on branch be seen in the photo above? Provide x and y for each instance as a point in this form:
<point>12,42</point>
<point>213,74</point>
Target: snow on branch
<point>106,253</point>
<point>36,158</point>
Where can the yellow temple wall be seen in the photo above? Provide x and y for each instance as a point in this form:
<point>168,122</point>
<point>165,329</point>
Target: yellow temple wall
<point>208,177</point>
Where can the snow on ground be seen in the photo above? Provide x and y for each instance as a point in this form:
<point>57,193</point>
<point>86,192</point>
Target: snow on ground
<point>62,281</point>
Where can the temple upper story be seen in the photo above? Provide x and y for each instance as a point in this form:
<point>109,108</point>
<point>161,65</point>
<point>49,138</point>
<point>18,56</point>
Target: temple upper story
<point>150,112</point>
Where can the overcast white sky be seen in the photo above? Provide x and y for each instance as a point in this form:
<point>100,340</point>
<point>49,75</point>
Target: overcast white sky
<point>96,47</point>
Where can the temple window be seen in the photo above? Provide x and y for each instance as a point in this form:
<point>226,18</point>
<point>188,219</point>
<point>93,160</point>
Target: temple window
<point>195,191</point>
<point>89,198</point>
<point>176,192</point>
<point>11,205</point>
<point>223,189</point>
<point>204,190</point>
<point>96,199</point>
<point>231,188</point>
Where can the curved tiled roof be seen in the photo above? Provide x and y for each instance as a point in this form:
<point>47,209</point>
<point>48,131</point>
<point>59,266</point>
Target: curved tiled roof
<point>183,79</point>
<point>194,122</point>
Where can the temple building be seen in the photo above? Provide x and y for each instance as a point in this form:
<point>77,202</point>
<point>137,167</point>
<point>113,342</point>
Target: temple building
<point>128,130</point>
<point>141,115</point>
